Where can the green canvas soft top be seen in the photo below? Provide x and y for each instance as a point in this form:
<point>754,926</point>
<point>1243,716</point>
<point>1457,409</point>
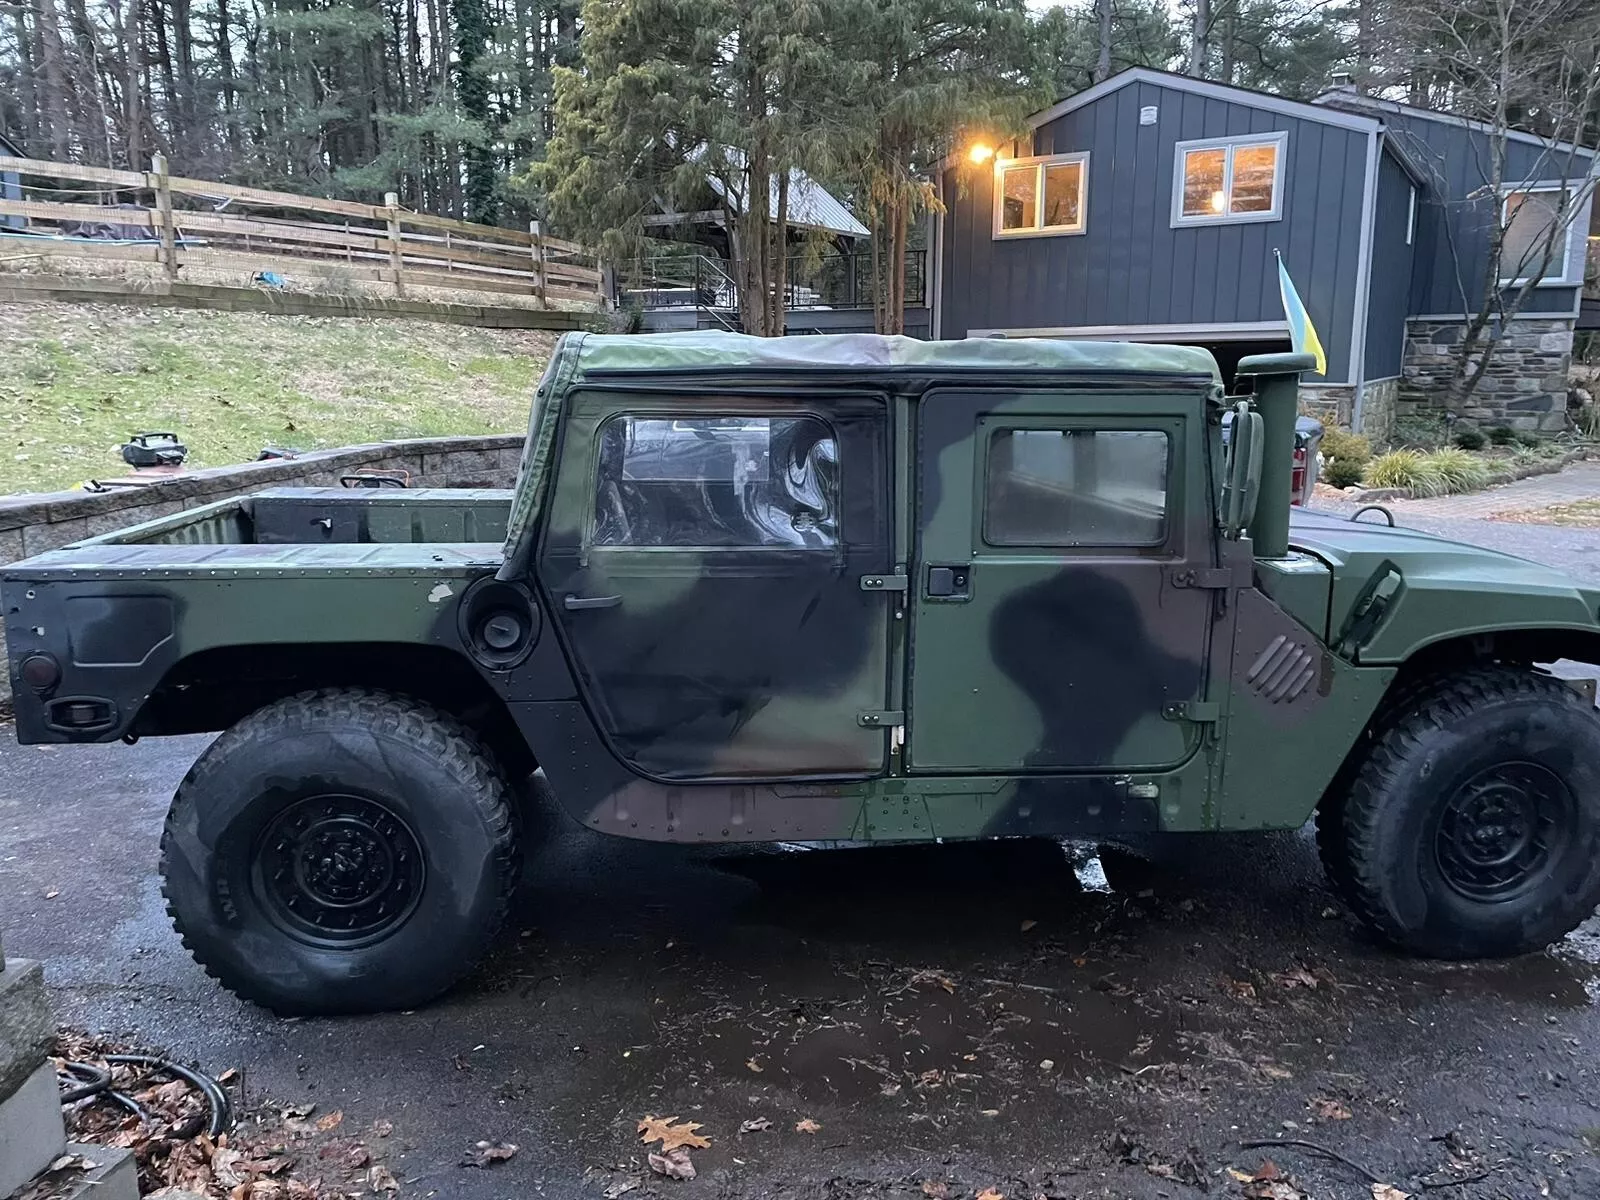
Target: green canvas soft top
<point>710,349</point>
<point>578,355</point>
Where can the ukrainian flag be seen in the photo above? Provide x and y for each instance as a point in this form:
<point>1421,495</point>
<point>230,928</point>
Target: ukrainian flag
<point>1302,334</point>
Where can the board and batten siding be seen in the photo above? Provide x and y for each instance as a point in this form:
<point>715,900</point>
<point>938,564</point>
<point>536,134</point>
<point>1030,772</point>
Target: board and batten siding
<point>1390,286</point>
<point>1130,267</point>
<point>1453,227</point>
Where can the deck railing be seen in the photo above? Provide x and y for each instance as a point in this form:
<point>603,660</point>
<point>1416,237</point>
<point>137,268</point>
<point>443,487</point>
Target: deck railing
<point>702,281</point>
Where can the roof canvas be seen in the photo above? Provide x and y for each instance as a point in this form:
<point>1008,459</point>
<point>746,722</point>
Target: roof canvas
<point>710,350</point>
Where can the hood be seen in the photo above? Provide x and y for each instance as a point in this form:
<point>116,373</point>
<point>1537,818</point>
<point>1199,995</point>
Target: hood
<point>1432,588</point>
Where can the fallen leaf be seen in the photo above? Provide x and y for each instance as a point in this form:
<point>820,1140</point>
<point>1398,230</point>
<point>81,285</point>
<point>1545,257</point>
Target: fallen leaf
<point>889,1089</point>
<point>1239,988</point>
<point>670,1135</point>
<point>1046,1064</point>
<point>989,1193</point>
<point>989,1112</point>
<point>357,1157</point>
<point>51,895</point>
<point>756,1125</point>
<point>382,1128</point>
<point>935,1190</point>
<point>381,1179</point>
<point>620,1188</point>
<point>229,1075</point>
<point>1387,1191</point>
<point>1329,1110</point>
<point>674,1164</point>
<point>1273,1071</point>
<point>754,1065</point>
<point>806,1125</point>
<point>330,1122</point>
<point>1240,1176</point>
<point>1028,924</point>
<point>1298,977</point>
<point>1268,1170</point>
<point>485,1154</point>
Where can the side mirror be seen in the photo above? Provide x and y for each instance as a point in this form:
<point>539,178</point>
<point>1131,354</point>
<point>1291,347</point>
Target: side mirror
<point>1243,474</point>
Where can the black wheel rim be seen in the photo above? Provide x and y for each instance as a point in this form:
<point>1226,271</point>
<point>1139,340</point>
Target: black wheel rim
<point>338,870</point>
<point>1502,830</point>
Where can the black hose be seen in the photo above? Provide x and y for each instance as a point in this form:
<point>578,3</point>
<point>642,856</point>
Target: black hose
<point>98,1082</point>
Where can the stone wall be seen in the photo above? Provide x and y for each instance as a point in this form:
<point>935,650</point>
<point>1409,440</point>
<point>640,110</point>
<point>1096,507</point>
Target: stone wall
<point>32,524</point>
<point>1335,405</point>
<point>1525,386</point>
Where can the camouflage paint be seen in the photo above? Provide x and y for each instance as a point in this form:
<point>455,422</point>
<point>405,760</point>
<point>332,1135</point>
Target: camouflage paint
<point>752,696</point>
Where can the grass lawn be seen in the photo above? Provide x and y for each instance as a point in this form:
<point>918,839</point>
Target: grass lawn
<point>77,380</point>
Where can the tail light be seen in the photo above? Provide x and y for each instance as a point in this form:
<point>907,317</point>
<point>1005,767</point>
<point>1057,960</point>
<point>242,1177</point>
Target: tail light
<point>1297,476</point>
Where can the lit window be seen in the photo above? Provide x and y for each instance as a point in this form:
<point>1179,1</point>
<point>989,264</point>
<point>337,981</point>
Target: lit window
<point>1532,221</point>
<point>1041,195</point>
<point>1223,179</point>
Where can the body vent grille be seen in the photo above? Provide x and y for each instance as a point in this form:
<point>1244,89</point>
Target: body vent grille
<point>1283,671</point>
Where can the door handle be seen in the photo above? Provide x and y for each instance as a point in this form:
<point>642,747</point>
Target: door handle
<point>949,582</point>
<point>577,603</point>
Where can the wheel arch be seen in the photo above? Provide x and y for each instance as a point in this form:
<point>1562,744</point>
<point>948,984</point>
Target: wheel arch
<point>212,689</point>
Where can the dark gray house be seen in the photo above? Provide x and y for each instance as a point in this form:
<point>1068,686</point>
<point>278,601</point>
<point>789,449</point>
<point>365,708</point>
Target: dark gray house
<point>1148,208</point>
<point>10,181</point>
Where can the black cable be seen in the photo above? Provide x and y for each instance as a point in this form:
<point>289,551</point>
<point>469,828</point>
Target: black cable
<point>98,1082</point>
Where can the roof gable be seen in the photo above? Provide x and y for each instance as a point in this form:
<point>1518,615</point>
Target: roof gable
<point>1304,110</point>
<point>1341,100</point>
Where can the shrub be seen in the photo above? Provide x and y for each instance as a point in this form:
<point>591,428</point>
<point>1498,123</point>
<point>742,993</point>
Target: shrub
<point>1470,439</point>
<point>1502,435</point>
<point>1419,430</point>
<point>1405,469</point>
<point>1526,437</point>
<point>1459,471</point>
<point>1343,472</point>
<point>1587,419</point>
<point>1342,444</point>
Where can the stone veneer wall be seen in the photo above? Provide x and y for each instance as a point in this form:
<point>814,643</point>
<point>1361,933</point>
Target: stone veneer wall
<point>1336,406</point>
<point>1525,386</point>
<point>32,524</point>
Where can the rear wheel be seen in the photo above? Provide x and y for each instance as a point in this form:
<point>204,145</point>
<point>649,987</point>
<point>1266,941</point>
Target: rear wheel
<point>340,851</point>
<point>1472,827</point>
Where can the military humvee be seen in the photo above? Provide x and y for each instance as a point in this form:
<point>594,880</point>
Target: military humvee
<point>818,589</point>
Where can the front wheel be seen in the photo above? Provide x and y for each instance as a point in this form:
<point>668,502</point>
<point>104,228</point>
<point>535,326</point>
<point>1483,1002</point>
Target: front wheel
<point>340,851</point>
<point>1472,828</point>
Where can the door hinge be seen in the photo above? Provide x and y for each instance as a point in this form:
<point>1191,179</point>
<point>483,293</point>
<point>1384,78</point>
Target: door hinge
<point>885,583</point>
<point>1210,578</point>
<point>881,718</point>
<point>1201,712</point>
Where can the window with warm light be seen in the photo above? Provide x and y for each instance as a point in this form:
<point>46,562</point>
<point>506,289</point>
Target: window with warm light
<point>1229,180</point>
<point>1041,197</point>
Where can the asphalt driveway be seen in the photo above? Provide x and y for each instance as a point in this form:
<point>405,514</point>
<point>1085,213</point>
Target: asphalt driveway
<point>972,1016</point>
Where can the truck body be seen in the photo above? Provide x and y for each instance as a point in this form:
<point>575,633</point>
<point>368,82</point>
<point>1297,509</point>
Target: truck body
<point>816,589</point>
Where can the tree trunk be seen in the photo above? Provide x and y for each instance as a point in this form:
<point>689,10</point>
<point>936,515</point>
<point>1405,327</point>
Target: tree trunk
<point>1200,40</point>
<point>53,121</point>
<point>1102,65</point>
<point>27,96</point>
<point>133,89</point>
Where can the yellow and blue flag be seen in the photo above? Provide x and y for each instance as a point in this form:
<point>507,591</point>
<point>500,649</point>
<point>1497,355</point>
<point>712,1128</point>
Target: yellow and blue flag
<point>1302,333</point>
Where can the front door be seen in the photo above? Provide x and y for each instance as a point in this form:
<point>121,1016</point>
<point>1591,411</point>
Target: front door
<point>1055,628</point>
<point>703,564</point>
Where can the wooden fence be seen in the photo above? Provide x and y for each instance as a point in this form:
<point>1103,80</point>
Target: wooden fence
<point>202,223</point>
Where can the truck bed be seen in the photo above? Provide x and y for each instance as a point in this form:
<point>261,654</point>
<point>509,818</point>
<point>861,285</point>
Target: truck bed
<point>319,530</point>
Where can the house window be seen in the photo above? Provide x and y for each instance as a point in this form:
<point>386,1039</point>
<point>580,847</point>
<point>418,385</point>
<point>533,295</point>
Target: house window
<point>1076,487</point>
<point>1528,215</point>
<point>713,482</point>
<point>1229,179</point>
<point>1041,197</point>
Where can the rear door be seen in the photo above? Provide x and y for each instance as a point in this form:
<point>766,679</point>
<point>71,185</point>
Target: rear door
<point>1056,625</point>
<point>703,564</point>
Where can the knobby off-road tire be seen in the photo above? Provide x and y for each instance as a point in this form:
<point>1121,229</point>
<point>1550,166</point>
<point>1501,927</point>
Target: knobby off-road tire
<point>1471,828</point>
<point>340,851</point>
